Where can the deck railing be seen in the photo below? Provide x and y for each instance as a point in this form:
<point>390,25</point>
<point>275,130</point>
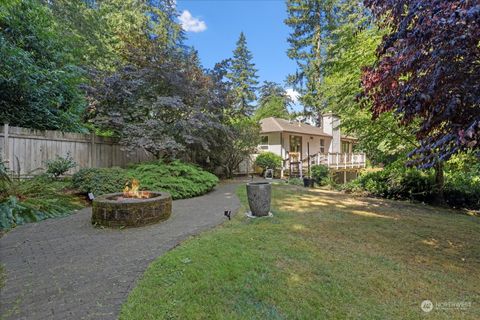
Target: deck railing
<point>331,160</point>
<point>339,160</point>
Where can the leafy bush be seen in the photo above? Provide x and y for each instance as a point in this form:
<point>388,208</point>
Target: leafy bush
<point>395,181</point>
<point>39,76</point>
<point>60,165</point>
<point>100,180</point>
<point>295,181</point>
<point>462,182</point>
<point>268,160</point>
<point>181,180</point>
<point>34,200</point>
<point>320,174</point>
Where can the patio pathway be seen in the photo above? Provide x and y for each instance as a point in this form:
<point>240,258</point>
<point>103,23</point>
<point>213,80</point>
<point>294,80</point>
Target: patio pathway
<point>66,269</point>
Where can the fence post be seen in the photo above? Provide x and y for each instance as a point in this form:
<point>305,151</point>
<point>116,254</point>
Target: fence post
<point>92,158</point>
<point>6,146</point>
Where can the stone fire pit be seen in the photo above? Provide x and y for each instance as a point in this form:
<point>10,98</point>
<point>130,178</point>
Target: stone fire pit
<point>115,210</point>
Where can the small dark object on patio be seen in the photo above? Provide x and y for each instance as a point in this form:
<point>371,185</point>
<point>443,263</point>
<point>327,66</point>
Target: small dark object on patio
<point>308,182</point>
<point>228,213</point>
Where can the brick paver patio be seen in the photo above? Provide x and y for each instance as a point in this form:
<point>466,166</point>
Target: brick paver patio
<point>67,269</point>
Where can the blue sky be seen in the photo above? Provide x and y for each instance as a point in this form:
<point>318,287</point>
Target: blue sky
<point>213,27</point>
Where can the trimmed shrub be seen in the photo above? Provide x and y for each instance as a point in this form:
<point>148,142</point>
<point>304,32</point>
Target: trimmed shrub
<point>320,174</point>
<point>180,179</point>
<point>268,160</point>
<point>100,180</point>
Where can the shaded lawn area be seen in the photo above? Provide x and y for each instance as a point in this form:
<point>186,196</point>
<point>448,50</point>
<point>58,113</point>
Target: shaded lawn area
<point>323,255</point>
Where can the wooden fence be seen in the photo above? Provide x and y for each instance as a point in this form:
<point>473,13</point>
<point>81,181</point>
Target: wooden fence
<point>25,151</point>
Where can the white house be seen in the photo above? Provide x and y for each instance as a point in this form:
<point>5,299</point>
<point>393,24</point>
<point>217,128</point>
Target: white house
<point>301,145</point>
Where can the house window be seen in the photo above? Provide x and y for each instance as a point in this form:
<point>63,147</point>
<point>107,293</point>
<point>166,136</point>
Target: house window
<point>345,147</point>
<point>322,146</point>
<point>295,144</point>
<point>264,140</point>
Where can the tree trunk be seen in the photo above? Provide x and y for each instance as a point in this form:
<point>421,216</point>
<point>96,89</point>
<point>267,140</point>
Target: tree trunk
<point>439,184</point>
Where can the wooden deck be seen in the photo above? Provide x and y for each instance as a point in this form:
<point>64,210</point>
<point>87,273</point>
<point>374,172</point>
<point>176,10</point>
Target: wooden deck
<point>334,161</point>
<point>339,160</point>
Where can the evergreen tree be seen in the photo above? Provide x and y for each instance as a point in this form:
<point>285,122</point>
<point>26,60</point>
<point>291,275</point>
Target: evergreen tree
<point>312,22</point>
<point>347,40</point>
<point>243,78</point>
<point>163,23</point>
<point>273,102</point>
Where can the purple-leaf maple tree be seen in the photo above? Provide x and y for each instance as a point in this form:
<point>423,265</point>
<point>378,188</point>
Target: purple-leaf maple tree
<point>428,72</point>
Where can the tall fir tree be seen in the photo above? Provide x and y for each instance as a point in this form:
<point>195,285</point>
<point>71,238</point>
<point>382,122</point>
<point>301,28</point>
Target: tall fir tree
<point>243,77</point>
<point>353,47</point>
<point>273,101</point>
<point>312,22</point>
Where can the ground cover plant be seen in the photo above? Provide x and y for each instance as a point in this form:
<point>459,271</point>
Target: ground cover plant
<point>295,181</point>
<point>323,255</point>
<point>36,199</point>
<point>181,180</point>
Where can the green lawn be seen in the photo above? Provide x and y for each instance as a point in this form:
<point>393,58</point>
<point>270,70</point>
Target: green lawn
<point>324,255</point>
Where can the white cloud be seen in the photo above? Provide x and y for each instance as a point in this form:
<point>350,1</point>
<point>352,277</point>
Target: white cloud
<point>294,95</point>
<point>190,23</point>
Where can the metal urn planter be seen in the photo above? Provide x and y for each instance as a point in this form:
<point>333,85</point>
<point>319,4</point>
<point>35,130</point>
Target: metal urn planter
<point>259,196</point>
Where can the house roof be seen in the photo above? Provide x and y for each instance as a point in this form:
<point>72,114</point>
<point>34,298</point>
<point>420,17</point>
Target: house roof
<point>345,137</point>
<point>281,125</point>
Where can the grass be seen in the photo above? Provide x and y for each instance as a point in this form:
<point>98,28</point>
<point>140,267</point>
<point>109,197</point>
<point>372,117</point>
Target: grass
<point>324,255</point>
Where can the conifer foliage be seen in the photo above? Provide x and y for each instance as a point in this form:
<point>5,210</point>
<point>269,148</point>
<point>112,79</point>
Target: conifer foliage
<point>311,22</point>
<point>243,78</point>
